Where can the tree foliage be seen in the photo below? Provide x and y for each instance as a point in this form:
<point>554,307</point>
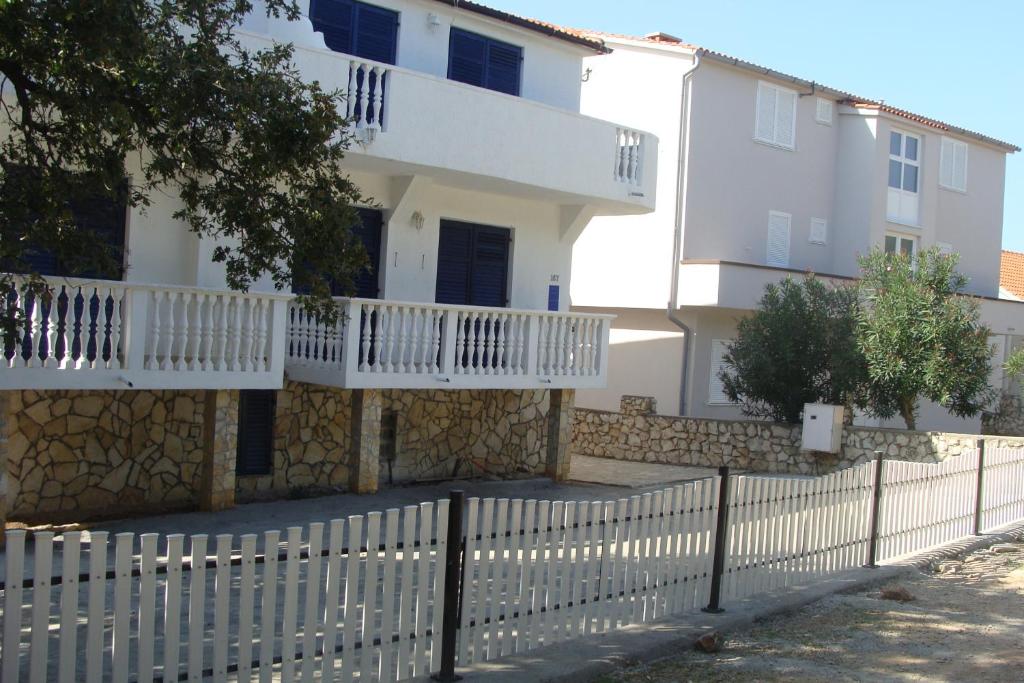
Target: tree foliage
<point>920,337</point>
<point>798,347</point>
<point>163,94</point>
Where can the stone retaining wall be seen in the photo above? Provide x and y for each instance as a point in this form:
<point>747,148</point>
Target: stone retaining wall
<point>637,433</point>
<point>1007,419</point>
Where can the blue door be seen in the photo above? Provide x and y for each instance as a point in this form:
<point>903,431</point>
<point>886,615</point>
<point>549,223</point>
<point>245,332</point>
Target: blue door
<point>366,283</point>
<point>473,264</point>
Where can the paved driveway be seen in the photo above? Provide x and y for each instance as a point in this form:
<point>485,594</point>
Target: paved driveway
<point>632,474</point>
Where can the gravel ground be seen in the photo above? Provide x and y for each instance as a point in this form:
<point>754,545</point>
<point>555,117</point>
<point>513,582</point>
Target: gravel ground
<point>965,623</point>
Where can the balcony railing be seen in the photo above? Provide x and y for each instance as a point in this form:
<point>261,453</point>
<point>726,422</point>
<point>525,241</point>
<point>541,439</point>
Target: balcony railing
<point>385,344</point>
<point>95,334</point>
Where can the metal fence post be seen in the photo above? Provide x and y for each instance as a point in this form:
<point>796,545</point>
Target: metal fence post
<point>978,496</point>
<point>721,528</point>
<point>876,506</point>
<point>452,589</point>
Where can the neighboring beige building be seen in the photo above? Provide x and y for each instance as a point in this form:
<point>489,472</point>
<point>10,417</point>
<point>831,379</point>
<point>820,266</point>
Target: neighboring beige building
<point>764,175</point>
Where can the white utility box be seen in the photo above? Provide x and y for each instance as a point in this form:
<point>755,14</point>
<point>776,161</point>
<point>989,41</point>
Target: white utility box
<point>823,427</point>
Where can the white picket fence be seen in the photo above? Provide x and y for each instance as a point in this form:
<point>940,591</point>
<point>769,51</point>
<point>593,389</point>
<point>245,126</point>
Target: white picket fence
<point>366,602</point>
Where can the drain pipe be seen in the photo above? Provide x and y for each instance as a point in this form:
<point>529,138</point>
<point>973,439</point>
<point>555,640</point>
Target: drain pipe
<point>677,241</point>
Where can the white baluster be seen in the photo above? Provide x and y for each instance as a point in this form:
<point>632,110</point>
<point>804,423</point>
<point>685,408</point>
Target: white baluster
<point>82,330</point>
<point>542,349</point>
<point>386,359</point>
<point>193,311</point>
<point>36,330</point>
<point>261,336</point>
<point>574,361</point>
<point>435,341</point>
<point>634,156</point>
<point>502,361</point>
<point>378,96</point>
<point>353,93</point>
<point>461,341</point>
<point>117,298</point>
<point>168,332</point>
<point>365,333</point>
<point>181,303</point>
<point>220,358</point>
<point>621,154</point>
<point>513,334</point>
<point>206,343</point>
<point>480,334</point>
<point>65,334</point>
<point>18,361</point>
<point>235,357</point>
<point>51,330</point>
<point>364,96</point>
<point>153,347</point>
<point>248,335</point>
<point>413,366</point>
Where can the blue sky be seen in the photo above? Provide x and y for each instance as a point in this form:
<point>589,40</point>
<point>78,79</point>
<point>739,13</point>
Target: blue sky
<point>959,62</point>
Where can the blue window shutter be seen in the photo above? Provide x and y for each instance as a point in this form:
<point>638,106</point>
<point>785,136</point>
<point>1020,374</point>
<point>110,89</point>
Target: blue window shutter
<point>367,283</point>
<point>490,267</point>
<point>472,265</point>
<point>467,58</point>
<point>105,218</point>
<point>335,19</point>
<point>255,448</point>
<point>376,33</point>
<point>454,263</point>
<point>485,62</point>
<point>503,64</point>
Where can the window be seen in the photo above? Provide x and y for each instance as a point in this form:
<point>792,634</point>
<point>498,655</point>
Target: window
<point>485,62</point>
<point>472,264</point>
<point>953,165</point>
<point>357,28</point>
<point>255,450</point>
<point>716,388</point>
<point>819,231</point>
<point>776,116</point>
<point>902,245</point>
<point>823,111</point>
<point>779,224</point>
<point>904,168</point>
<point>367,283</point>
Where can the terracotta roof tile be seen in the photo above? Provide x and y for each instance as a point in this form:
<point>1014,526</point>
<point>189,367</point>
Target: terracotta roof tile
<point>1011,272</point>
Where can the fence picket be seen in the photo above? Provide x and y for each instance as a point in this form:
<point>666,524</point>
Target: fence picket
<point>196,607</point>
<point>311,614</point>
<point>246,597</point>
<point>482,582</point>
<point>513,584</point>
<point>13,602</point>
<point>39,638</point>
<point>289,624</point>
<point>555,525</point>
<point>498,567</point>
<point>526,600</point>
<point>539,563</point>
<point>147,606</point>
<point>422,590</point>
<point>387,625</point>
<point>371,581</point>
<point>469,565</point>
<point>351,614</point>
<point>440,569</point>
<point>68,646</point>
<point>268,604</point>
<point>593,588</point>
<point>122,605</point>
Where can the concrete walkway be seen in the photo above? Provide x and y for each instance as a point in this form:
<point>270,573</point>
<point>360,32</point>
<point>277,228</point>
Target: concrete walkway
<point>632,474</point>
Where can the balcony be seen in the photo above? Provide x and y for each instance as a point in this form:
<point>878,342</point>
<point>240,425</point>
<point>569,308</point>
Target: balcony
<point>409,123</point>
<point>96,334</point>
<point>389,344</point>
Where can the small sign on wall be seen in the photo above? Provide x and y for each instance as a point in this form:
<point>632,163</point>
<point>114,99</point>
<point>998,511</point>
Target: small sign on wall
<point>552,297</point>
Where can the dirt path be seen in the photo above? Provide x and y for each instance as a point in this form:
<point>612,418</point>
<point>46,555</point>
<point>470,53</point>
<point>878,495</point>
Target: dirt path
<point>965,623</point>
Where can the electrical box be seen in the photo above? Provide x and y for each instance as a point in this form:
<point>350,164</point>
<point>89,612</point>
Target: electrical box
<point>823,427</point>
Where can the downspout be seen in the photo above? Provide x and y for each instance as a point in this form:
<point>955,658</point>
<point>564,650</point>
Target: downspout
<point>677,240</point>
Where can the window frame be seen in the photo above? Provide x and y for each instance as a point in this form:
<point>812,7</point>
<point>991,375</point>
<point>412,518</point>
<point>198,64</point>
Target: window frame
<point>713,379</point>
<point>774,140</point>
<point>488,42</point>
<point>953,143</point>
<point>903,195</point>
<point>772,214</point>
<point>823,222</point>
<point>900,237</point>
<point>817,111</point>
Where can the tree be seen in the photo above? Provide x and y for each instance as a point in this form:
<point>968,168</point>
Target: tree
<point>920,337</point>
<point>121,99</point>
<point>796,348</point>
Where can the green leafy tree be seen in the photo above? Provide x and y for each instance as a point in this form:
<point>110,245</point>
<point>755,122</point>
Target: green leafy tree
<point>1015,363</point>
<point>124,99</point>
<point>920,337</point>
<point>798,347</point>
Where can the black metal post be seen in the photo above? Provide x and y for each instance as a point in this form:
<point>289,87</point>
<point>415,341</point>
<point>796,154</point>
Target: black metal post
<point>452,589</point>
<point>978,501</point>
<point>722,527</point>
<point>876,506</point>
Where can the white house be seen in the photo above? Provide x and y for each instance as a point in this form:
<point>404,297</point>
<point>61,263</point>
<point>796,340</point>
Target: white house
<point>459,355</point>
<point>764,175</point>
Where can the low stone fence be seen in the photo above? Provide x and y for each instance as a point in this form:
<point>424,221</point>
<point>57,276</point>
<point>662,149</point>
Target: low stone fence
<point>639,434</point>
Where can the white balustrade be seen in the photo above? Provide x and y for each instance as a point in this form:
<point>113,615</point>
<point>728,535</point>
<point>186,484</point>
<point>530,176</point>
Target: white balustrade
<point>405,345</point>
<point>367,87</point>
<point>101,334</point>
<point>629,145</point>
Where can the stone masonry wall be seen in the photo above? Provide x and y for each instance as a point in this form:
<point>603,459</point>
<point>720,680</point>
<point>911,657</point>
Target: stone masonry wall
<point>439,433</point>
<point>75,452</point>
<point>638,434</point>
<point>1007,419</point>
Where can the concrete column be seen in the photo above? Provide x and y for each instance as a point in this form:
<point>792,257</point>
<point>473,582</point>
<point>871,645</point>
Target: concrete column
<point>6,420</point>
<point>364,458</point>
<point>559,454</point>
<point>220,446</point>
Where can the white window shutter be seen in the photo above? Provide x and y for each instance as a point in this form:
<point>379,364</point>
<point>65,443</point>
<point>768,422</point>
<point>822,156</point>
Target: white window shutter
<point>946,162</point>
<point>766,103</point>
<point>785,119</point>
<point>960,167</point>
<point>819,231</point>
<point>823,112</point>
<point>716,388</point>
<point>778,238</point>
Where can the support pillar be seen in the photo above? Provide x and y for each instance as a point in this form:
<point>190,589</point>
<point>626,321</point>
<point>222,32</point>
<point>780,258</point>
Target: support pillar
<point>560,413</point>
<point>220,447</point>
<point>364,453</point>
<point>6,424</point>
